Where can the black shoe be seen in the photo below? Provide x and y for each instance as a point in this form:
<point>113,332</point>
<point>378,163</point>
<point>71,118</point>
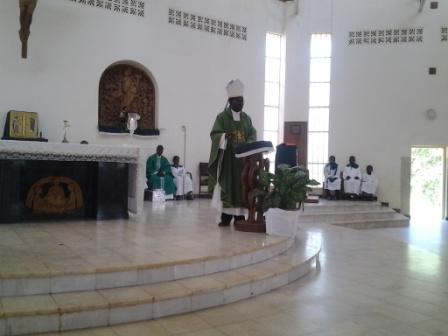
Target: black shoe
<point>189,196</point>
<point>178,198</point>
<point>225,219</point>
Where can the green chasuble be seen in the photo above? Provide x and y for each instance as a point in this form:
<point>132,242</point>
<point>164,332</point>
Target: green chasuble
<point>153,165</point>
<point>230,172</point>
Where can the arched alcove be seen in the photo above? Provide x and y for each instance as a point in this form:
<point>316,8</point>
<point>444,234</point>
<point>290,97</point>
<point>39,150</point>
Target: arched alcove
<point>126,88</point>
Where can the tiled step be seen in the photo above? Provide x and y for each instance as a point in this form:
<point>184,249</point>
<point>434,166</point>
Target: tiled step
<point>32,314</point>
<point>326,217</point>
<point>342,206</point>
<point>353,214</point>
<point>23,282</point>
<point>398,221</point>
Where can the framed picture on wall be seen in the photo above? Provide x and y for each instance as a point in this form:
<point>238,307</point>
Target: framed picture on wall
<point>21,125</point>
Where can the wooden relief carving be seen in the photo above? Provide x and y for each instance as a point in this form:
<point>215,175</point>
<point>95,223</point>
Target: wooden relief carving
<point>252,165</point>
<point>54,195</point>
<point>124,89</point>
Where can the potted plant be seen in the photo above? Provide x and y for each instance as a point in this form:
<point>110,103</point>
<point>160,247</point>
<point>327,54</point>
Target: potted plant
<point>284,193</point>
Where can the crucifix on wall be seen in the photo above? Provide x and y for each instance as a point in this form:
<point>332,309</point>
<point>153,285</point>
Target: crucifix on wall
<point>26,16</point>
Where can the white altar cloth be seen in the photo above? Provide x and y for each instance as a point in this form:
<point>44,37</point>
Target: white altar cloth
<point>34,150</point>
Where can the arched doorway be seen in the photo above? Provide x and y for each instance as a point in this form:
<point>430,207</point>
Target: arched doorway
<point>126,88</point>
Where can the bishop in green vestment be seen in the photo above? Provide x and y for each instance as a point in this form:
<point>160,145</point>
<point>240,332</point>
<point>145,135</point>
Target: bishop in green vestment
<point>232,127</point>
<point>158,171</point>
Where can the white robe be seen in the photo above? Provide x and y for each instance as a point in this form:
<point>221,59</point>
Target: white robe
<point>328,172</point>
<point>352,186</point>
<point>369,183</point>
<point>181,180</point>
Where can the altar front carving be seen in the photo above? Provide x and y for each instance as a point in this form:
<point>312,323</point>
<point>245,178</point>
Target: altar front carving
<point>55,181</point>
<point>54,195</point>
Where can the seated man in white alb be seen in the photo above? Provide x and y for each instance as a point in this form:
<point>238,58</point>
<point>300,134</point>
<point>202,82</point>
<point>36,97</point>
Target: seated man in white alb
<point>332,182</point>
<point>369,184</point>
<point>182,180</point>
<point>352,179</point>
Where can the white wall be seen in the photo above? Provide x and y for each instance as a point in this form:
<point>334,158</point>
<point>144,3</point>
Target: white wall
<point>378,93</point>
<point>72,44</point>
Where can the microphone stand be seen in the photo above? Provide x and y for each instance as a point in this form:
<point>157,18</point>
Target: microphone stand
<point>184,129</point>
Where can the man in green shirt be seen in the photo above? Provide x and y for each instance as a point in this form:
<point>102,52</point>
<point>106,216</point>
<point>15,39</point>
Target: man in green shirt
<point>232,127</point>
<point>158,173</point>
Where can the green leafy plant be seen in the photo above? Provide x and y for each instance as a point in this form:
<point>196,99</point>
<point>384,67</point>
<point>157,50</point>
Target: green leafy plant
<point>286,189</point>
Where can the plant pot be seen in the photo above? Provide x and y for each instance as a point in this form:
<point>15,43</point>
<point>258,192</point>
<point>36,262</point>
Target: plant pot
<point>281,222</point>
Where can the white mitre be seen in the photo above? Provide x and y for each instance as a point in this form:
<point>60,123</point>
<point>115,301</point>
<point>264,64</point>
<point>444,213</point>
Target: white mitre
<point>235,88</point>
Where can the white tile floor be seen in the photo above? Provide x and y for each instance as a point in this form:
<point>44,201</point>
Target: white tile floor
<point>375,282</point>
<point>431,235</point>
<point>162,236</point>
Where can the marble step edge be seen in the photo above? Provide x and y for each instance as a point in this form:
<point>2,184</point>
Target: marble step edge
<point>57,282</point>
<point>397,217</point>
<point>69,311</point>
<point>347,218</point>
<point>373,223</point>
<point>325,202</point>
<point>343,203</point>
<point>372,214</point>
<point>355,210</point>
<point>341,209</point>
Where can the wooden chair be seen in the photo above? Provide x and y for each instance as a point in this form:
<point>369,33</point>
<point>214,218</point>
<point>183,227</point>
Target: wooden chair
<point>203,179</point>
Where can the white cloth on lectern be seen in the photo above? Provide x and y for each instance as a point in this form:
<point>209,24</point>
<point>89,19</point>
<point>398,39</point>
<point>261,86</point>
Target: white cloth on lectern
<point>181,180</point>
<point>352,186</point>
<point>369,183</point>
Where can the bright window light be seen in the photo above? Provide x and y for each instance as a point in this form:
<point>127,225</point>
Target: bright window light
<point>273,45</point>
<point>272,70</point>
<point>319,104</point>
<point>318,119</point>
<point>320,70</point>
<point>319,94</point>
<point>271,118</point>
<point>320,45</point>
<point>273,66</point>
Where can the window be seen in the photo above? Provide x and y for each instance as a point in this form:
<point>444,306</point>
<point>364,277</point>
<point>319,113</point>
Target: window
<point>319,104</point>
<point>272,91</point>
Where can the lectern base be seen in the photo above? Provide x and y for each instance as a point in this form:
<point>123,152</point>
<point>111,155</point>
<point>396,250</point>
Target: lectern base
<point>247,226</point>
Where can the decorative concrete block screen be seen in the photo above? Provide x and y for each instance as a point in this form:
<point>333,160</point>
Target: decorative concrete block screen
<point>131,7</point>
<point>206,24</point>
<point>385,36</point>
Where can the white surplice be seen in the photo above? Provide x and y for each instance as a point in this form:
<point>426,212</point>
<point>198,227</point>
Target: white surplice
<point>352,185</point>
<point>183,181</point>
<point>333,174</point>
<point>369,183</point>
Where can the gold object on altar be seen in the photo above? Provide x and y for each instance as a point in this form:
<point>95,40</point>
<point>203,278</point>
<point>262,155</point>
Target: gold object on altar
<point>54,195</point>
<point>23,125</point>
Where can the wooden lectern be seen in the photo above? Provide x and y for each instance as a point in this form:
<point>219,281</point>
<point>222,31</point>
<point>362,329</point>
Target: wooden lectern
<point>253,163</point>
